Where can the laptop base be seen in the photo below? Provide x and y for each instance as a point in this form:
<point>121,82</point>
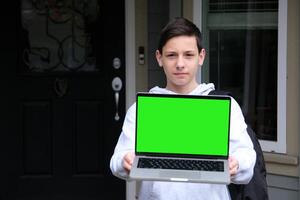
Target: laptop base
<point>147,174</point>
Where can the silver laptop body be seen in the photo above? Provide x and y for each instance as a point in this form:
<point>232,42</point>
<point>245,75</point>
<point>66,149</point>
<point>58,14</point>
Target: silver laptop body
<point>182,128</point>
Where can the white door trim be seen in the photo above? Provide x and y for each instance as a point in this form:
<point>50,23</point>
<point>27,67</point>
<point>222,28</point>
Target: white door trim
<point>130,51</point>
<point>130,72</point>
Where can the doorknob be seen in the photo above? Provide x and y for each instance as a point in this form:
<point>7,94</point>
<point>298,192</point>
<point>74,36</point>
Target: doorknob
<point>117,86</point>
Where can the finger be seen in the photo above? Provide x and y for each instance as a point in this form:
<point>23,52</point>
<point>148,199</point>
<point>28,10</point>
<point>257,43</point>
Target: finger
<point>233,166</point>
<point>129,158</point>
<point>128,161</point>
<point>127,166</point>
<point>233,171</point>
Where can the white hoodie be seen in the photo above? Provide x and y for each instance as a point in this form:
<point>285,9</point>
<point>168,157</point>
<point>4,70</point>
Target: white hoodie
<point>241,148</point>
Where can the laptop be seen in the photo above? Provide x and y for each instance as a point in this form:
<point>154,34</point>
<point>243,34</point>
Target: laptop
<point>182,138</point>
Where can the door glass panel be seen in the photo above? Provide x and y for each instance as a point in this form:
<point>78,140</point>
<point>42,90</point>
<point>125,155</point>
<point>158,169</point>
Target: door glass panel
<point>242,55</point>
<point>57,35</point>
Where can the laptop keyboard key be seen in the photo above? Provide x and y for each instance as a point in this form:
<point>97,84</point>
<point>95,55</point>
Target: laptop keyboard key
<point>204,165</point>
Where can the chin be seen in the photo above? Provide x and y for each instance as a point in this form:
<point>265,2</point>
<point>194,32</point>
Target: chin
<point>181,81</point>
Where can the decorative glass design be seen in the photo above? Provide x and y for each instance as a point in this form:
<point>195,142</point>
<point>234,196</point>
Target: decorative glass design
<point>58,35</point>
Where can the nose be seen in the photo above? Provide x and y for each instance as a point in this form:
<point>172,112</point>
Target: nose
<point>180,63</point>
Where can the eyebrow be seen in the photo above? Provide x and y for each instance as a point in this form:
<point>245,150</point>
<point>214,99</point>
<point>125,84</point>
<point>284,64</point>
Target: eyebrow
<point>188,51</point>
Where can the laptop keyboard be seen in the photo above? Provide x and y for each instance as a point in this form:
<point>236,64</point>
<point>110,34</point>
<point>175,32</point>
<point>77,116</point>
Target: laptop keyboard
<point>204,165</point>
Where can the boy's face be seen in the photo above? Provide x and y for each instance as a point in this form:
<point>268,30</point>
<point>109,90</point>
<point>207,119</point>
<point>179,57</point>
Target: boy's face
<point>180,60</point>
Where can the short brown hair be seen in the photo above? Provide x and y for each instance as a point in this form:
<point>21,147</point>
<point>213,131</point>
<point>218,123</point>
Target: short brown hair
<point>179,27</point>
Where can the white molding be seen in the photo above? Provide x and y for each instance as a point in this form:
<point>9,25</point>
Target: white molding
<point>280,145</point>
<point>197,19</point>
<point>130,71</point>
<point>130,51</point>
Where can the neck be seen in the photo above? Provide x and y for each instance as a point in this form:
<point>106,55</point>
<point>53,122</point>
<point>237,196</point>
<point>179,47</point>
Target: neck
<point>182,90</point>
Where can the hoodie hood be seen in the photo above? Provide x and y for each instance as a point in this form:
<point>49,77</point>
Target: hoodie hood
<point>201,89</point>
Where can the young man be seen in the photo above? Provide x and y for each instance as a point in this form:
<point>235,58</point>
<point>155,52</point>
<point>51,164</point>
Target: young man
<point>180,54</point>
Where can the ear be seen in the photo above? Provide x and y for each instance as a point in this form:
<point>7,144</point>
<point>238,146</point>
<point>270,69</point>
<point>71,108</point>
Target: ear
<point>201,57</point>
<point>158,58</point>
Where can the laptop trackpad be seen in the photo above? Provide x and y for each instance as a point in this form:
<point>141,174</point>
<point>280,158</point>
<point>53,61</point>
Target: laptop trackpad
<point>175,175</point>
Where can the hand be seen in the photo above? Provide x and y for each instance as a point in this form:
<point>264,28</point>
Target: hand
<point>127,161</point>
<point>233,166</point>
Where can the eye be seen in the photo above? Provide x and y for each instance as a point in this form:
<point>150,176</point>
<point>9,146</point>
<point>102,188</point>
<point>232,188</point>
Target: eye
<point>189,55</point>
<point>171,55</point>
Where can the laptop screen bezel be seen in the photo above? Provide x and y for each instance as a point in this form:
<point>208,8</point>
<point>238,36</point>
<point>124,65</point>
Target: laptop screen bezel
<point>219,97</point>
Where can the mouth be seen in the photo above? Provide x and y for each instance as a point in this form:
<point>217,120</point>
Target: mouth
<point>180,74</point>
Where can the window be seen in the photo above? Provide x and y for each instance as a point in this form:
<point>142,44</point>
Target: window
<point>243,40</point>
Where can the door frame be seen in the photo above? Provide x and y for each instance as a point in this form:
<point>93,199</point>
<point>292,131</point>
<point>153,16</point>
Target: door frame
<point>130,52</point>
<point>130,72</point>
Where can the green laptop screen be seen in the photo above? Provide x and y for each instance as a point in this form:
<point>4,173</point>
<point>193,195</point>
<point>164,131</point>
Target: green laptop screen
<point>185,125</point>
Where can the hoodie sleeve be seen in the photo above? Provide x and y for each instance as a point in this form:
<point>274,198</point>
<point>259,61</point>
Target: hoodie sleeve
<point>241,146</point>
<point>124,145</point>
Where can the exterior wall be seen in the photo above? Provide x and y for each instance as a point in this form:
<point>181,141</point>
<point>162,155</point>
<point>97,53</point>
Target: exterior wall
<point>283,170</point>
<point>282,187</point>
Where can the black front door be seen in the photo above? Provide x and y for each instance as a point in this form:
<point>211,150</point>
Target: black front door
<point>64,63</point>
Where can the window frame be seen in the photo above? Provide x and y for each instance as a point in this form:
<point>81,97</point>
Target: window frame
<point>280,145</point>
